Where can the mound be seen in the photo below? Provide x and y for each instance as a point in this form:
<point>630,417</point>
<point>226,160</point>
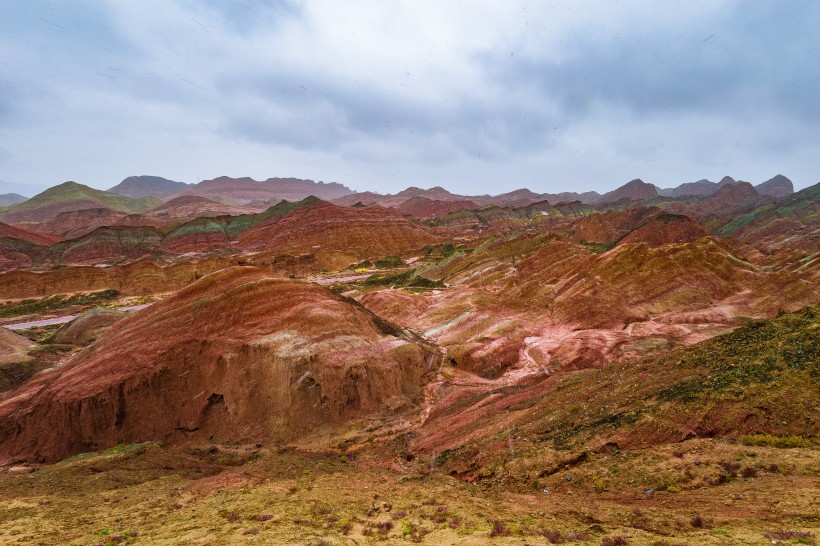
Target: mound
<point>778,186</point>
<point>198,235</point>
<point>424,208</point>
<point>109,245</point>
<point>76,223</point>
<point>238,356</point>
<point>72,196</point>
<point>634,190</point>
<point>12,232</point>
<point>666,228</point>
<point>148,186</point>
<point>191,206</point>
<point>362,232</point>
<point>13,348</point>
<point>14,359</point>
<point>87,327</point>
<point>610,226</point>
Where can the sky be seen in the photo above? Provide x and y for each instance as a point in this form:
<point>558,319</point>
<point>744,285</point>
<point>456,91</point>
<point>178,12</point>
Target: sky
<point>476,96</point>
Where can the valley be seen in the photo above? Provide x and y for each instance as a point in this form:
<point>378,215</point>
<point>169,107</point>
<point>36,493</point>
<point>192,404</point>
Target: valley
<point>292,362</point>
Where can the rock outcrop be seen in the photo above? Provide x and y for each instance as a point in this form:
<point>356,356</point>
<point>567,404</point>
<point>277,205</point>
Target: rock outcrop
<point>362,232</point>
<point>239,356</point>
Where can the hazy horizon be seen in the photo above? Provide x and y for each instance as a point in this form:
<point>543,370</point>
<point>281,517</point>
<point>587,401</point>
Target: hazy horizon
<point>478,98</point>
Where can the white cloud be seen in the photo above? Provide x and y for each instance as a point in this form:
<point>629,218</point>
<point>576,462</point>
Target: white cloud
<point>479,96</point>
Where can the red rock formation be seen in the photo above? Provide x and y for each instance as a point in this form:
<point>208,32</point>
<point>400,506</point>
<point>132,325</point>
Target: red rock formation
<point>193,206</point>
<point>666,228</point>
<point>76,223</point>
<point>238,356</point>
<point>634,190</point>
<point>13,232</point>
<point>609,226</point>
<point>365,232</point>
<point>133,279</point>
<point>424,208</point>
<point>245,190</point>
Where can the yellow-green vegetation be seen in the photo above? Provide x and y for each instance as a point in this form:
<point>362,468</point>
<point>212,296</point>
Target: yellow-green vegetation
<point>52,303</point>
<point>72,191</point>
<point>783,442</point>
<point>149,494</point>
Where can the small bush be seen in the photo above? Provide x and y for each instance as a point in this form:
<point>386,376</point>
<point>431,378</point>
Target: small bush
<point>696,522</point>
<point>749,472</point>
<point>389,262</point>
<point>614,541</point>
<point>499,529</point>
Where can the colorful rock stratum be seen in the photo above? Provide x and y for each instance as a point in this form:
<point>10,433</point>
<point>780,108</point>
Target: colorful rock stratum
<point>292,362</point>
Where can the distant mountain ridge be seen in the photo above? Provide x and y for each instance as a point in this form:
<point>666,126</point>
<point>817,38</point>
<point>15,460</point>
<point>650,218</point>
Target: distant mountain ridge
<point>241,191</point>
<point>138,187</point>
<point>777,186</point>
<point>9,199</point>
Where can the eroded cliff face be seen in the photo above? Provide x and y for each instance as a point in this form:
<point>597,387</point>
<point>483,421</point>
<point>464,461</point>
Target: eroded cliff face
<point>238,356</point>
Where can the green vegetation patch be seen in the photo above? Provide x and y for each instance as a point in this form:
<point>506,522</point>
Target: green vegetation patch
<point>407,279</point>
<point>50,303</point>
<point>783,442</point>
<point>389,262</point>
<point>756,353</point>
<point>598,248</point>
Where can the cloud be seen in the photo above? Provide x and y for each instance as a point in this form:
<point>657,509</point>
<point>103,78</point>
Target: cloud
<point>479,97</point>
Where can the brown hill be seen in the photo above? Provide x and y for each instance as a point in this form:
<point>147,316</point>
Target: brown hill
<point>666,228</point>
<point>777,186</point>
<point>425,208</point>
<point>245,190</point>
<point>609,226</point>
<point>145,186</point>
<point>238,356</point>
<point>362,232</point>
<point>76,223</point>
<point>13,232</point>
<point>192,206</point>
<point>133,279</point>
<point>634,190</point>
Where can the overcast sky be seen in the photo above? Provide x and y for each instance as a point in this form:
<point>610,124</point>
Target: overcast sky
<point>476,96</point>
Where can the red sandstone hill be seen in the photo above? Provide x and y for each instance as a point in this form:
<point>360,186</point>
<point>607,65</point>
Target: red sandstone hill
<point>193,206</point>
<point>76,223</point>
<point>12,232</point>
<point>245,190</point>
<point>666,228</point>
<point>635,190</point>
<point>362,232</point>
<point>425,208</point>
<point>238,356</point>
<point>635,225</point>
<point>609,226</point>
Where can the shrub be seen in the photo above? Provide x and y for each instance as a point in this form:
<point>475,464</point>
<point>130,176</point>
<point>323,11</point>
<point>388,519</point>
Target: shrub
<point>749,472</point>
<point>696,522</point>
<point>614,541</point>
<point>498,529</point>
<point>389,261</point>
